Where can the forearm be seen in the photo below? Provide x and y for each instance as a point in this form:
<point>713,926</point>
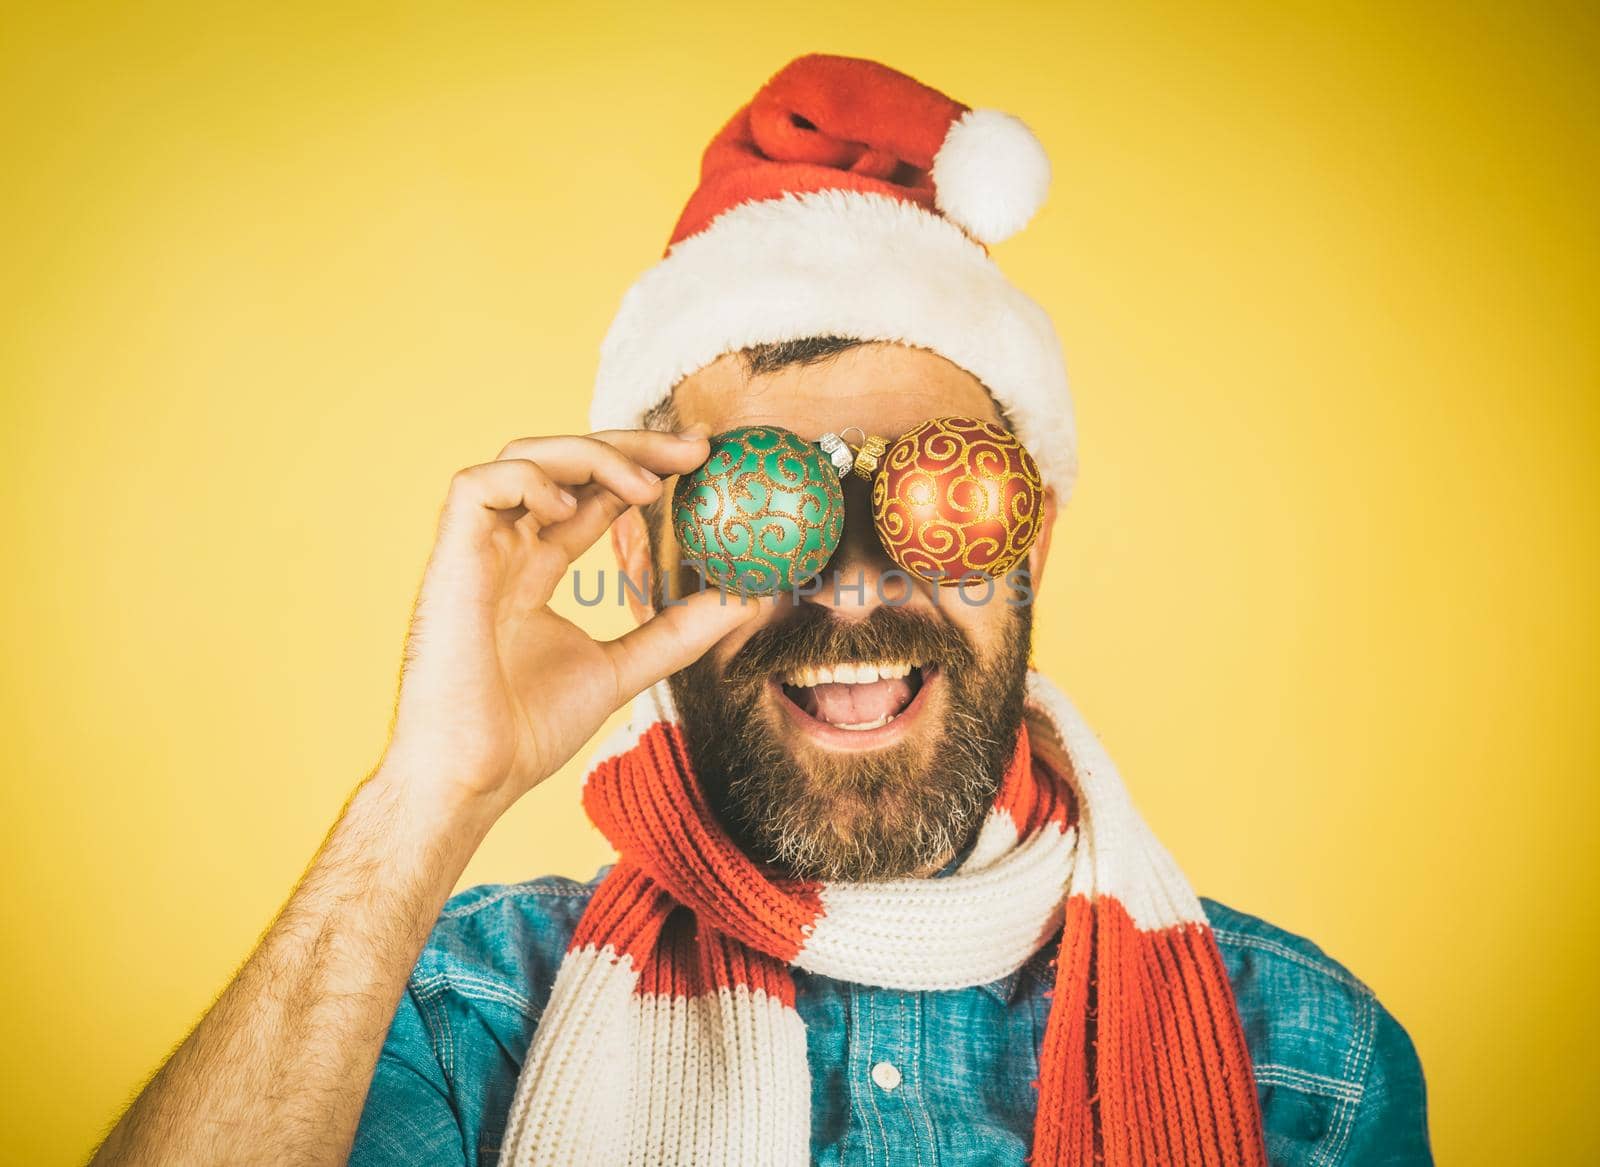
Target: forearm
<point>278,1069</point>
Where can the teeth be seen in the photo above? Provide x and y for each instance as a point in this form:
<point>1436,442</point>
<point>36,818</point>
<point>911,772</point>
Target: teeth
<point>884,720</point>
<point>848,673</point>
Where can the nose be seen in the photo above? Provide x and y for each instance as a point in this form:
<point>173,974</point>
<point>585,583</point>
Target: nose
<point>860,576</point>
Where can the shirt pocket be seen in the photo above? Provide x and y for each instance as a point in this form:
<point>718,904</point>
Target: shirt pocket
<point>1302,1114</point>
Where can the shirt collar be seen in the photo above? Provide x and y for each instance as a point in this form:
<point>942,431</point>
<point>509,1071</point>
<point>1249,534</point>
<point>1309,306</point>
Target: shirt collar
<point>1035,968</point>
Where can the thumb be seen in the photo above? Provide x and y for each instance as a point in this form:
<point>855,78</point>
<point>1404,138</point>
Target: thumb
<point>678,635</point>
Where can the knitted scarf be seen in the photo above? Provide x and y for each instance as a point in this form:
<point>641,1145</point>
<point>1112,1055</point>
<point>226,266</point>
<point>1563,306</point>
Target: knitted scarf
<point>671,1035</point>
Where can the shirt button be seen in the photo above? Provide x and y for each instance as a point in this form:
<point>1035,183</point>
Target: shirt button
<point>885,1075</point>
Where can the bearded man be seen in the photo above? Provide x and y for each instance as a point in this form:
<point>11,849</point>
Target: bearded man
<point>880,895</point>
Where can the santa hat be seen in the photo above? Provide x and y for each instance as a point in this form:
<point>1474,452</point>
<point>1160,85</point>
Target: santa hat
<point>848,199</point>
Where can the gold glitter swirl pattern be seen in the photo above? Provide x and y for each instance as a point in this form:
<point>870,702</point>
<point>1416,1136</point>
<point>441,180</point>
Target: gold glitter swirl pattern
<point>763,514</point>
<point>957,496</point>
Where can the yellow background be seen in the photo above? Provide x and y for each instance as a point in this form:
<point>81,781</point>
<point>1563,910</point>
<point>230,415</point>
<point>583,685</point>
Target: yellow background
<point>1325,277</point>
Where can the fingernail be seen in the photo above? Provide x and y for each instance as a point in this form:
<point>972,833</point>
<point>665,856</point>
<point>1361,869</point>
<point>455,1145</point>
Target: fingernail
<point>649,476</point>
<point>568,498</point>
<point>694,431</point>
<point>689,436</point>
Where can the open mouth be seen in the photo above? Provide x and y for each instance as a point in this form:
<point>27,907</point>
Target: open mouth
<point>856,703</point>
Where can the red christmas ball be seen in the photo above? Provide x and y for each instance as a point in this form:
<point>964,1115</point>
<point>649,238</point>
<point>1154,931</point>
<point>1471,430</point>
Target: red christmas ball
<point>957,496</point>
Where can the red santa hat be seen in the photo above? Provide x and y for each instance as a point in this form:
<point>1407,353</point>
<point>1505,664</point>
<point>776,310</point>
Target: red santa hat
<point>849,199</point>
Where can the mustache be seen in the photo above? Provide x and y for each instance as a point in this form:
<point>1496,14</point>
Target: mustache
<point>813,635</point>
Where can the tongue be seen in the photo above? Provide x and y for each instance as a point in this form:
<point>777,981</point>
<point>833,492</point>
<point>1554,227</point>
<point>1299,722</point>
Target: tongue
<point>855,704</point>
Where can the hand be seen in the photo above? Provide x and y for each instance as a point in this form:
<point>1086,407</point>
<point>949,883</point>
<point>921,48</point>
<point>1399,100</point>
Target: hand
<point>498,691</point>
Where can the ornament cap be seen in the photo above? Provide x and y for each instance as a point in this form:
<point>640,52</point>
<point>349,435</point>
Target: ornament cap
<point>838,452</point>
<point>869,455</point>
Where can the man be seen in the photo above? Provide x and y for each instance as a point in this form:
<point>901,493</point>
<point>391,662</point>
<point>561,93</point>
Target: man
<point>880,896</point>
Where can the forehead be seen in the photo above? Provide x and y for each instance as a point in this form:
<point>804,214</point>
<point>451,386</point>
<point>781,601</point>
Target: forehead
<point>883,388</point>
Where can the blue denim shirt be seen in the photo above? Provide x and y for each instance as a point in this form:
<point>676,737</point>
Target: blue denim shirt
<point>1337,1076</point>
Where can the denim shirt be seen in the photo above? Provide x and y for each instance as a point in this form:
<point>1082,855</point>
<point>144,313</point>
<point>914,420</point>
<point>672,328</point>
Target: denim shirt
<point>1338,1078</point>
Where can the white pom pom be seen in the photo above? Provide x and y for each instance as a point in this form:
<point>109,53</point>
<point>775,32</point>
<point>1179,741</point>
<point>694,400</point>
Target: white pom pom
<point>990,174</point>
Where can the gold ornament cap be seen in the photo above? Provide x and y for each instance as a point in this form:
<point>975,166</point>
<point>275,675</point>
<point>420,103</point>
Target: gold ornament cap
<point>868,456</point>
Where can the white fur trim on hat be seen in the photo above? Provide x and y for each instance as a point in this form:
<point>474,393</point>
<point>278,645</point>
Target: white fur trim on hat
<point>990,174</point>
<point>841,263</point>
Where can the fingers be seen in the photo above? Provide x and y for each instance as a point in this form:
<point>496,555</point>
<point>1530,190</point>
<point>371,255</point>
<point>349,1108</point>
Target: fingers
<point>629,463</point>
<point>597,510</point>
<point>622,468</point>
<point>677,636</point>
<point>478,495</point>
<point>599,506</point>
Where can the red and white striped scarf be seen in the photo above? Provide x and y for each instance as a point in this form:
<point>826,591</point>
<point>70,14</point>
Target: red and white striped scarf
<point>671,1035</point>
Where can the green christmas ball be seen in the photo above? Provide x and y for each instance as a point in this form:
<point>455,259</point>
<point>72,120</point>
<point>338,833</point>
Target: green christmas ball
<point>763,514</point>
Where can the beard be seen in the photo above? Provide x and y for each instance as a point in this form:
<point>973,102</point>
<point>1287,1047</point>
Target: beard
<point>838,815</point>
